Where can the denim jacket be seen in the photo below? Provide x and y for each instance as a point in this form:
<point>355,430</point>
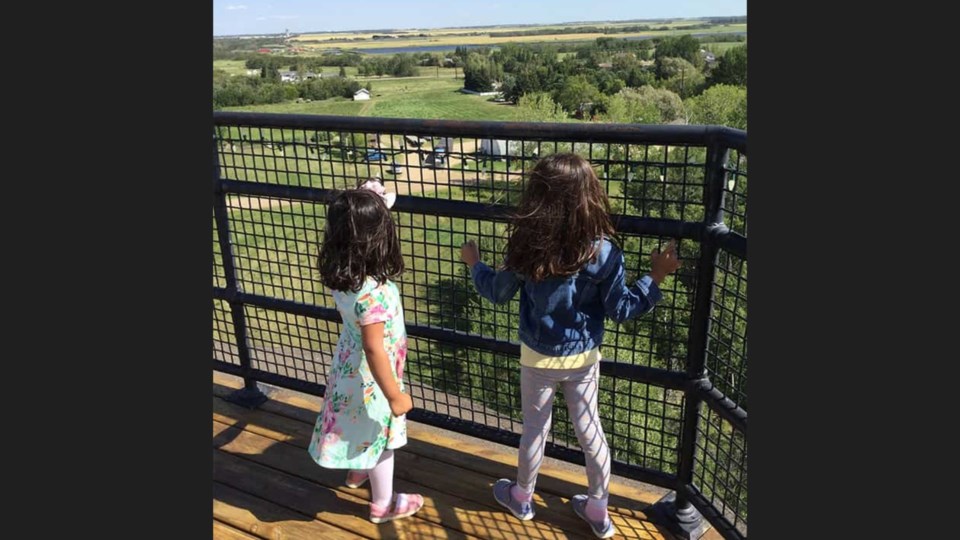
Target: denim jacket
<point>564,316</point>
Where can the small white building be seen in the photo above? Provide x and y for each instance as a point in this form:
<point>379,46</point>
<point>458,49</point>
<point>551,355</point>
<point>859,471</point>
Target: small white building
<point>493,147</point>
<point>361,95</point>
<point>293,76</point>
<point>499,148</point>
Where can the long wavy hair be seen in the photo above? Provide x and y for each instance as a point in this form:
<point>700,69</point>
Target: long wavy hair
<point>562,213</point>
<point>359,241</point>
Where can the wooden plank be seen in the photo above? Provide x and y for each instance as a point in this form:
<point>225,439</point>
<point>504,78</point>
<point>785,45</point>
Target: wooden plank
<point>297,463</point>
<point>267,520</point>
<point>222,531</point>
<point>503,464</point>
<point>447,482</point>
<point>471,517</point>
<point>328,505</point>
<point>486,459</point>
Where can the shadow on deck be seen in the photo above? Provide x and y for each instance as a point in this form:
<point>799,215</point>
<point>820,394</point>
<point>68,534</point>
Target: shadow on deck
<point>265,485</point>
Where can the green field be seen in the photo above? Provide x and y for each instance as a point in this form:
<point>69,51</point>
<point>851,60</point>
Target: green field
<point>231,67</point>
<point>422,97</point>
<point>721,47</point>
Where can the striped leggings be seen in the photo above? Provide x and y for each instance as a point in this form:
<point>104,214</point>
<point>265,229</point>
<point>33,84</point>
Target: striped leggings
<point>580,387</point>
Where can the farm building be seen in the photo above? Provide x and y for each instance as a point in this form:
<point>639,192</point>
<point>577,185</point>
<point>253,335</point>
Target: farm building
<point>293,76</point>
<point>446,143</point>
<point>499,148</point>
<point>361,95</point>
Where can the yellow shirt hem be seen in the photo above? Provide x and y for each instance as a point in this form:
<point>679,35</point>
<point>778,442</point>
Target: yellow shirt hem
<point>531,358</point>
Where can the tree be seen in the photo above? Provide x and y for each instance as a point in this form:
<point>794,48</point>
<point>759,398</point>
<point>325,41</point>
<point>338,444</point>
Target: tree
<point>480,73</point>
<point>625,62</point>
<point>686,47</point>
<point>637,76</point>
<point>731,67</point>
<point>343,71</point>
<point>607,82</point>
<point>576,90</point>
<point>620,109</point>
<point>402,65</point>
<point>539,107</point>
<point>680,76</point>
<point>270,74</point>
<point>721,104</point>
<point>667,104</point>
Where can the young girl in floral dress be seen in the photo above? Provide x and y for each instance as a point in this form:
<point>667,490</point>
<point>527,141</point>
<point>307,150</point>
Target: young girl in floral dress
<point>362,422</point>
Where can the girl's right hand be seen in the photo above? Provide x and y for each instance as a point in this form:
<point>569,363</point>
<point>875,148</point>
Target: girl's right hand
<point>401,404</point>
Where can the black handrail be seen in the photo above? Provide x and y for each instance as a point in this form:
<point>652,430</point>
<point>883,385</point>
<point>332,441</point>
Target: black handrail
<point>695,448</point>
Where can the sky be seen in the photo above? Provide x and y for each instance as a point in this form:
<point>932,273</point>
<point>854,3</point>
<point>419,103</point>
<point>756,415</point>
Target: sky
<point>232,17</point>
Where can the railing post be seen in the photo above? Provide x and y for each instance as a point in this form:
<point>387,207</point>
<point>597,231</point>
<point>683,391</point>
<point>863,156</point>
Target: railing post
<point>250,395</point>
<point>677,512</point>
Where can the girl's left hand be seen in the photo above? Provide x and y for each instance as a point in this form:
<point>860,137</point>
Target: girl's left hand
<point>469,253</point>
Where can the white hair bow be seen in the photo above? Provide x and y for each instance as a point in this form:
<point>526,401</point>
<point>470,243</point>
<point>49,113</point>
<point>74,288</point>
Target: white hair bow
<point>375,185</point>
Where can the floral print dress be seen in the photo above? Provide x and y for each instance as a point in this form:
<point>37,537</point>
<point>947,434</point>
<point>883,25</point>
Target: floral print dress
<point>356,424</point>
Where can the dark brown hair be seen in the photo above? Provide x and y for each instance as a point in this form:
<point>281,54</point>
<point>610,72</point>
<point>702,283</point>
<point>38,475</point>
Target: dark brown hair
<point>359,241</point>
<point>563,211</point>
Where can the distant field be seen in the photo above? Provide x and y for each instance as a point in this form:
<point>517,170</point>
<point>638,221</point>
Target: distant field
<point>232,67</point>
<point>722,47</point>
<point>414,32</point>
<point>403,98</point>
<point>439,38</point>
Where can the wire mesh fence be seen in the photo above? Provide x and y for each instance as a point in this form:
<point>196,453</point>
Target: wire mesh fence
<point>457,180</point>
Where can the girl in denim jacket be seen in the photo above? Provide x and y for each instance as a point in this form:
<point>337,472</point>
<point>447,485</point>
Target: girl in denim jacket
<point>570,277</point>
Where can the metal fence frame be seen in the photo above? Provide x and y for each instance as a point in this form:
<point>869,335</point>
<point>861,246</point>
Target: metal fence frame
<point>683,509</point>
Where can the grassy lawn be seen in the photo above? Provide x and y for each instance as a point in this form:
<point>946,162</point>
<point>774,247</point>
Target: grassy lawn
<point>403,98</point>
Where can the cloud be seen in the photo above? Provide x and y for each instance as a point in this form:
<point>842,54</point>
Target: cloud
<point>284,16</point>
<point>235,7</point>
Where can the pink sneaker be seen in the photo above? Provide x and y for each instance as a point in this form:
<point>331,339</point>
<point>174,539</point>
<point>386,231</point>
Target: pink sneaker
<point>404,504</point>
<point>356,479</point>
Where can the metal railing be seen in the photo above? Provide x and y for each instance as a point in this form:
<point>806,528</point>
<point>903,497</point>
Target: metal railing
<point>673,401</point>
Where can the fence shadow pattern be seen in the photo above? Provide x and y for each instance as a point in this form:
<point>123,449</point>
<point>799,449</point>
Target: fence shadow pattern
<point>673,396</point>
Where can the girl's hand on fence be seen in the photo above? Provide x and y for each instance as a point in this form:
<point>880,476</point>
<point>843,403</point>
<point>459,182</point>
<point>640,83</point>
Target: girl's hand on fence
<point>401,404</point>
<point>664,262</point>
<point>469,253</point>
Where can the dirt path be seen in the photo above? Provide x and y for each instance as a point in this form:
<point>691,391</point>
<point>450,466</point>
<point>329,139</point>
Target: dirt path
<point>255,203</point>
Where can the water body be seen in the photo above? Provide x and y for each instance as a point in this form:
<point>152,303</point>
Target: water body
<point>425,48</point>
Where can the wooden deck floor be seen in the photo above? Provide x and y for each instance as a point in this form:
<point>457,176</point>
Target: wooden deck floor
<point>265,485</point>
